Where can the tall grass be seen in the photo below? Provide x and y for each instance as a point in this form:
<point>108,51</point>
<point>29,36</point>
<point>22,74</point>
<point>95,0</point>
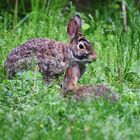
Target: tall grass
<point>118,50</point>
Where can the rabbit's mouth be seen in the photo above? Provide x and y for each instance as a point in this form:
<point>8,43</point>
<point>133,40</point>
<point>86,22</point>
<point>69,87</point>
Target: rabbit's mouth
<point>89,62</point>
<point>84,58</point>
<point>81,58</point>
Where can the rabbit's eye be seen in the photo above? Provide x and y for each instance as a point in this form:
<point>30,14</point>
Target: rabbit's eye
<point>81,46</point>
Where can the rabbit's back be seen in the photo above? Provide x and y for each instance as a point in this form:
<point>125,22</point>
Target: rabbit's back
<point>50,55</point>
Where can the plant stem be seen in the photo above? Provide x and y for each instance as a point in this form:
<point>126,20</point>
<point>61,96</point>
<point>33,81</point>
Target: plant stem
<point>120,73</point>
<point>124,15</point>
<point>15,15</point>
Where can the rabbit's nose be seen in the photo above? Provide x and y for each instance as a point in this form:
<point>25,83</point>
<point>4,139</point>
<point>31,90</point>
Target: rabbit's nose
<point>93,57</point>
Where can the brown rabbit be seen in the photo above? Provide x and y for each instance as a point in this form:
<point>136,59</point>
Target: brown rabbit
<point>69,85</point>
<point>53,57</point>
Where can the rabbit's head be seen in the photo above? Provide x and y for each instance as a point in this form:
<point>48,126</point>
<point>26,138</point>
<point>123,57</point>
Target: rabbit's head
<point>80,48</point>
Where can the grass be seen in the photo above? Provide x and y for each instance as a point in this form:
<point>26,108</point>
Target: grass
<point>29,109</point>
<point>39,112</point>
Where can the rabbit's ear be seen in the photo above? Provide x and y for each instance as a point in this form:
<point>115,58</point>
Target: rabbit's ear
<point>74,26</point>
<point>79,22</point>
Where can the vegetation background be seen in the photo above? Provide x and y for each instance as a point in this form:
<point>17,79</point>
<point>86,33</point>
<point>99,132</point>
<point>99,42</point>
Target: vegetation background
<point>31,110</point>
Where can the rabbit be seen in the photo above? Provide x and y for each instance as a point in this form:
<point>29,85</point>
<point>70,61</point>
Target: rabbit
<point>51,56</point>
<point>70,86</point>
